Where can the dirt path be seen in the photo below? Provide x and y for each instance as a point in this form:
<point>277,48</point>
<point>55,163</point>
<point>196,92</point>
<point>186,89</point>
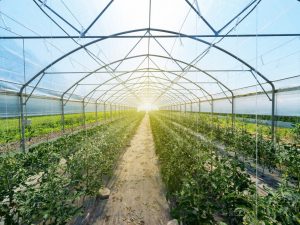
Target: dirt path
<point>137,194</point>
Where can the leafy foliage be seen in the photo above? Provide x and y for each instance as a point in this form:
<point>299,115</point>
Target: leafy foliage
<point>204,187</point>
<point>45,184</point>
<point>238,139</point>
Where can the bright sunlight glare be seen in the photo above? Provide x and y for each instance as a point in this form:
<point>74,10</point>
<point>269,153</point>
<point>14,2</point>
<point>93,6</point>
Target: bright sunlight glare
<point>147,107</point>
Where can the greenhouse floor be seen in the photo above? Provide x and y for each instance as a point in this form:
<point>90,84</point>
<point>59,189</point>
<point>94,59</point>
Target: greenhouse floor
<point>137,193</point>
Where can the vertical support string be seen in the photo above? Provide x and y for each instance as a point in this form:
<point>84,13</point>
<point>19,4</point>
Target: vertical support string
<point>256,117</point>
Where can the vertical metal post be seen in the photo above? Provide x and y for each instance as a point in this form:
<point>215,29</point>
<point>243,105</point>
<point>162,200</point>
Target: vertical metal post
<point>110,109</point>
<point>113,108</point>
<point>23,144</point>
<point>104,109</point>
<point>22,120</point>
<point>83,113</point>
<point>212,107</point>
<point>273,114</point>
<point>184,108</point>
<point>199,106</point>
<point>198,116</point>
<point>212,111</point>
<point>96,112</point>
<point>232,113</point>
<point>62,115</point>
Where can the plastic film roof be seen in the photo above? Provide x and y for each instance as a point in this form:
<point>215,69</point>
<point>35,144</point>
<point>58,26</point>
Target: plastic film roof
<point>149,51</point>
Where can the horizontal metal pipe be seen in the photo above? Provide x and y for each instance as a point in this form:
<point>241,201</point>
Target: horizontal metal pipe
<point>152,36</point>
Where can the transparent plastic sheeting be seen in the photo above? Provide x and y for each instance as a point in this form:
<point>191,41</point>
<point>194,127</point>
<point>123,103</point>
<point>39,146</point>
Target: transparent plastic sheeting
<point>276,57</point>
<point>37,106</point>
<point>286,105</point>
<point>255,104</point>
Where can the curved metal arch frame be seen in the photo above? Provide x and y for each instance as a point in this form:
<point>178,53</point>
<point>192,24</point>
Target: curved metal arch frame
<point>172,97</point>
<point>184,78</point>
<point>179,95</point>
<point>181,77</point>
<point>146,29</point>
<point>149,77</point>
<point>168,98</point>
<point>155,87</point>
<point>117,96</point>
<point>153,55</point>
<point>171,92</point>
<point>139,30</point>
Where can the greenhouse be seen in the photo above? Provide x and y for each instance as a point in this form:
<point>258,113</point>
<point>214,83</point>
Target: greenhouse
<point>150,112</point>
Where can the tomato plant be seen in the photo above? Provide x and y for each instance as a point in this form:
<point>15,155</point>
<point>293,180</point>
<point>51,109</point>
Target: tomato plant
<point>42,185</point>
<point>205,187</point>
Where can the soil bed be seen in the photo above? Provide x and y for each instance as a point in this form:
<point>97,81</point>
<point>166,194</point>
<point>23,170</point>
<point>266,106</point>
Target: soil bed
<point>137,193</point>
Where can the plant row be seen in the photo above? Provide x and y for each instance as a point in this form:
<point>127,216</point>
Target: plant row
<point>291,119</point>
<point>41,125</point>
<point>204,188</point>
<point>47,184</point>
<point>281,156</point>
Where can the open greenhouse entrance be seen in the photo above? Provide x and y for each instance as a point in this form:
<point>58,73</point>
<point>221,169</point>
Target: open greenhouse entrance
<point>137,193</point>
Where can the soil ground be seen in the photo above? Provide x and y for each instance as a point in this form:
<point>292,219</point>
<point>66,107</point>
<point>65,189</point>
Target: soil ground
<point>137,193</point>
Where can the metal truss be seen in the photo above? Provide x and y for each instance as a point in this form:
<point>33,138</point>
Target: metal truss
<point>155,81</point>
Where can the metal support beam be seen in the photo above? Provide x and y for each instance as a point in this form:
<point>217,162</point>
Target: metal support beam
<point>22,120</point>
<point>203,19</point>
<point>232,114</point>
<point>170,33</point>
<point>110,111</point>
<point>272,99</point>
<point>273,115</point>
<point>58,15</point>
<point>199,106</point>
<point>62,115</point>
<point>104,110</point>
<point>212,108</point>
<point>198,116</point>
<point>152,36</point>
<point>95,20</point>
<point>96,112</point>
<point>83,113</point>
